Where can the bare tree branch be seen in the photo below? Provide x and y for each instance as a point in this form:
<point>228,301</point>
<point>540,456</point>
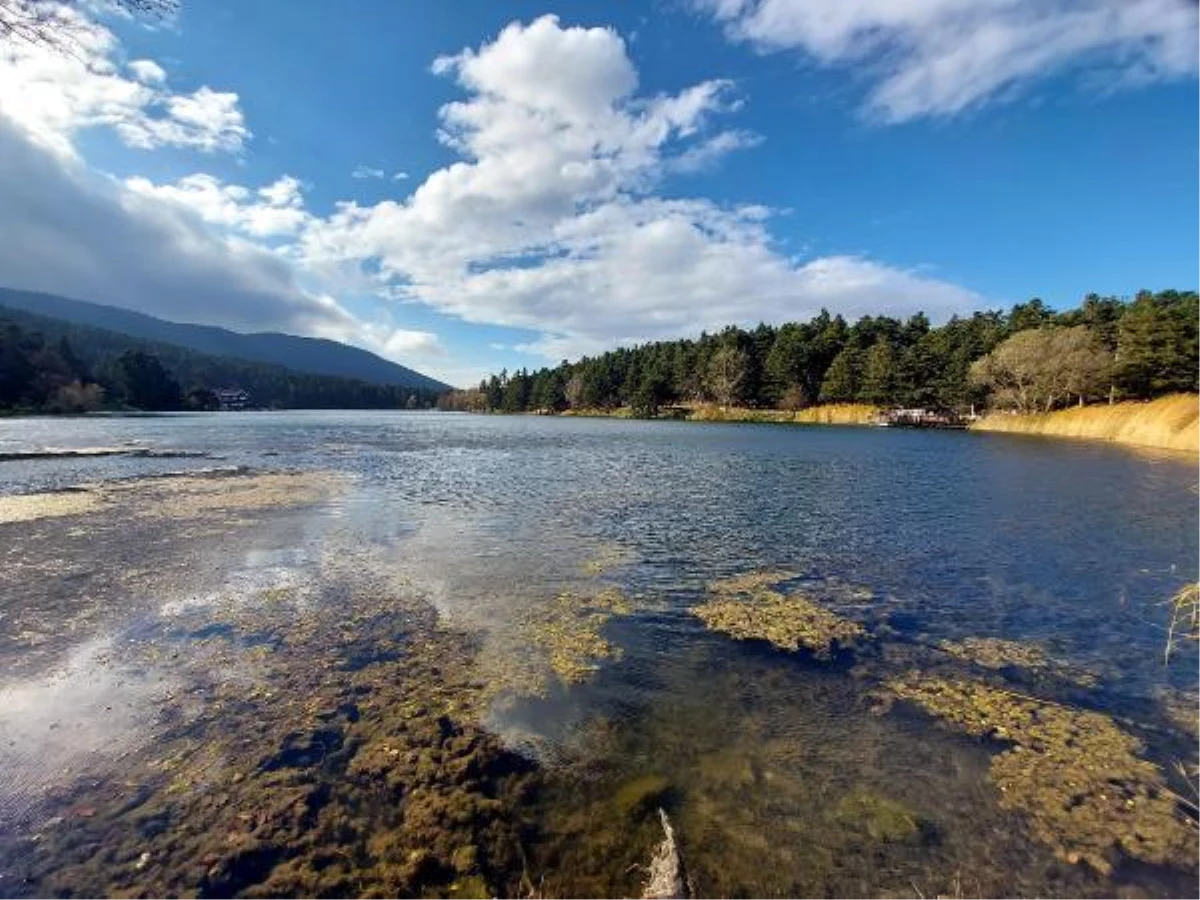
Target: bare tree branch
<point>50,23</point>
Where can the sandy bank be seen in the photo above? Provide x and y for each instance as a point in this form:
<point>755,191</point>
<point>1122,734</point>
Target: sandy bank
<point>1169,423</point>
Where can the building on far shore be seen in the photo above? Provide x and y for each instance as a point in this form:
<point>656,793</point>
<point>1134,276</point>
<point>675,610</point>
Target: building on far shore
<point>232,398</point>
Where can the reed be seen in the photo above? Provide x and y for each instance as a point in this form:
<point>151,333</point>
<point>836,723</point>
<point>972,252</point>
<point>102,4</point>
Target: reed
<point>828,414</point>
<point>1185,617</point>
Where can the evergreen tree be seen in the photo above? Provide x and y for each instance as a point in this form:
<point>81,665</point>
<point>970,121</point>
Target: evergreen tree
<point>879,375</point>
<point>842,379</point>
<point>146,384</point>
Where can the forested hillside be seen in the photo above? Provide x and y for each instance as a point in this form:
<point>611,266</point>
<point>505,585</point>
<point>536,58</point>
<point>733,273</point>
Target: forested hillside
<point>54,366</point>
<point>315,356</point>
<point>1031,358</point>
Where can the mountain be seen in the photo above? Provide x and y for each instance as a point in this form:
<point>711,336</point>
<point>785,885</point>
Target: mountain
<point>39,355</point>
<point>316,356</point>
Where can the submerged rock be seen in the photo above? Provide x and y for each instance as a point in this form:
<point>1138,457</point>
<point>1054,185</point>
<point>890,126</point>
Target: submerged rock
<point>1073,774</point>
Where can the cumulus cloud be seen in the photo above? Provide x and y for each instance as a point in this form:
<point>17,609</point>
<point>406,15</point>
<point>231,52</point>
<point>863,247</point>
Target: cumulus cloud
<point>549,220</point>
<point>405,344</point>
<point>52,95</point>
<point>205,119</point>
<point>147,71</point>
<point>272,211</point>
<point>940,57</point>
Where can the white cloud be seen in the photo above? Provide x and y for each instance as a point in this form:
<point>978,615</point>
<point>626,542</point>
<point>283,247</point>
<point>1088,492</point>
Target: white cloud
<point>711,151</point>
<point>403,344</point>
<point>400,176</point>
<point>205,119</point>
<point>940,57</point>
<point>51,95</point>
<point>147,71</point>
<point>366,172</point>
<point>549,223</point>
<point>272,211</point>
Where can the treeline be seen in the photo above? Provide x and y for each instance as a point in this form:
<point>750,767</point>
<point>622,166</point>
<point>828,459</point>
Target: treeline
<point>49,365</point>
<point>1030,358</point>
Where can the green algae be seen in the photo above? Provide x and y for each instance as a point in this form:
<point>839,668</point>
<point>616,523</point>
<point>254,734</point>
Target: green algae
<point>360,784</point>
<point>750,582</point>
<point>880,818</point>
<point>559,639</point>
<point>641,794</point>
<point>996,654</point>
<point>606,559</point>
<point>305,748</point>
<point>744,608</point>
<point>1072,774</point>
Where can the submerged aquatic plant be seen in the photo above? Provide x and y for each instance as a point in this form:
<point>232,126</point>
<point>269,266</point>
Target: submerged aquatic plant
<point>564,635</point>
<point>997,653</point>
<point>1072,773</point>
<point>746,609</point>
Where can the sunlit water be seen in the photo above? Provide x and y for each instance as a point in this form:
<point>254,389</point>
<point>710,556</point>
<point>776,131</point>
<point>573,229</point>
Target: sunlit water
<point>934,535</point>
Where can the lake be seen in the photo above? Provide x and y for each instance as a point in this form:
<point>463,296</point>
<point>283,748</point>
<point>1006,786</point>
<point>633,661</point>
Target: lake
<point>214,698</point>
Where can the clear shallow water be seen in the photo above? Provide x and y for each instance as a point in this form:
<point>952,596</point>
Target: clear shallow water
<point>939,535</point>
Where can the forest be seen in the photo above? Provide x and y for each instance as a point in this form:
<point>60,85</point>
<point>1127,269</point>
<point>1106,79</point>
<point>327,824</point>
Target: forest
<point>1031,358</point>
<point>48,365</point>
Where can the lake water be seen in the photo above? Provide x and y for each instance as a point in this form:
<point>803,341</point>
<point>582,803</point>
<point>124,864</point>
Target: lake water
<point>783,773</point>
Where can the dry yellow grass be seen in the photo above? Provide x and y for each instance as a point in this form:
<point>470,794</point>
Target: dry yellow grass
<point>1169,423</point>
<point>828,414</point>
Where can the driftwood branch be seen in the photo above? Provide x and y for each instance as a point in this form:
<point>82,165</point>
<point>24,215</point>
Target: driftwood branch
<point>667,877</point>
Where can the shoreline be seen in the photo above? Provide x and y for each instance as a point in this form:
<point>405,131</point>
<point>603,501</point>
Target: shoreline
<point>1168,423</point>
<point>829,414</point>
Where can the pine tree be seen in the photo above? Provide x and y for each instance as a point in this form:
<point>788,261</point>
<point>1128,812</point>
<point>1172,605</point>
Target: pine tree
<point>842,378</point>
<point>879,375</point>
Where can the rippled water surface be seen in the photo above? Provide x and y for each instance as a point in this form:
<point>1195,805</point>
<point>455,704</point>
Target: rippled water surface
<point>784,774</point>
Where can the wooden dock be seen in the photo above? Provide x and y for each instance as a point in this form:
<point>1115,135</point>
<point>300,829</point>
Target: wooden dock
<point>920,418</point>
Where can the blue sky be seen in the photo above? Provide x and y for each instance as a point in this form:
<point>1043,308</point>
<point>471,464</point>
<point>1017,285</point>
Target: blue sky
<point>469,186</point>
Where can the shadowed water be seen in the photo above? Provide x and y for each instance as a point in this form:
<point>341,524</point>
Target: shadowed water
<point>784,774</point>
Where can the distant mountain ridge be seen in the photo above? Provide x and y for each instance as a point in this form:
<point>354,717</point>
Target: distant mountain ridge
<point>317,356</point>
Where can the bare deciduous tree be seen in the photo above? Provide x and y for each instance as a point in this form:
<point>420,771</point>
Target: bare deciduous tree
<point>727,371</point>
<point>54,24</point>
<point>1039,369</point>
